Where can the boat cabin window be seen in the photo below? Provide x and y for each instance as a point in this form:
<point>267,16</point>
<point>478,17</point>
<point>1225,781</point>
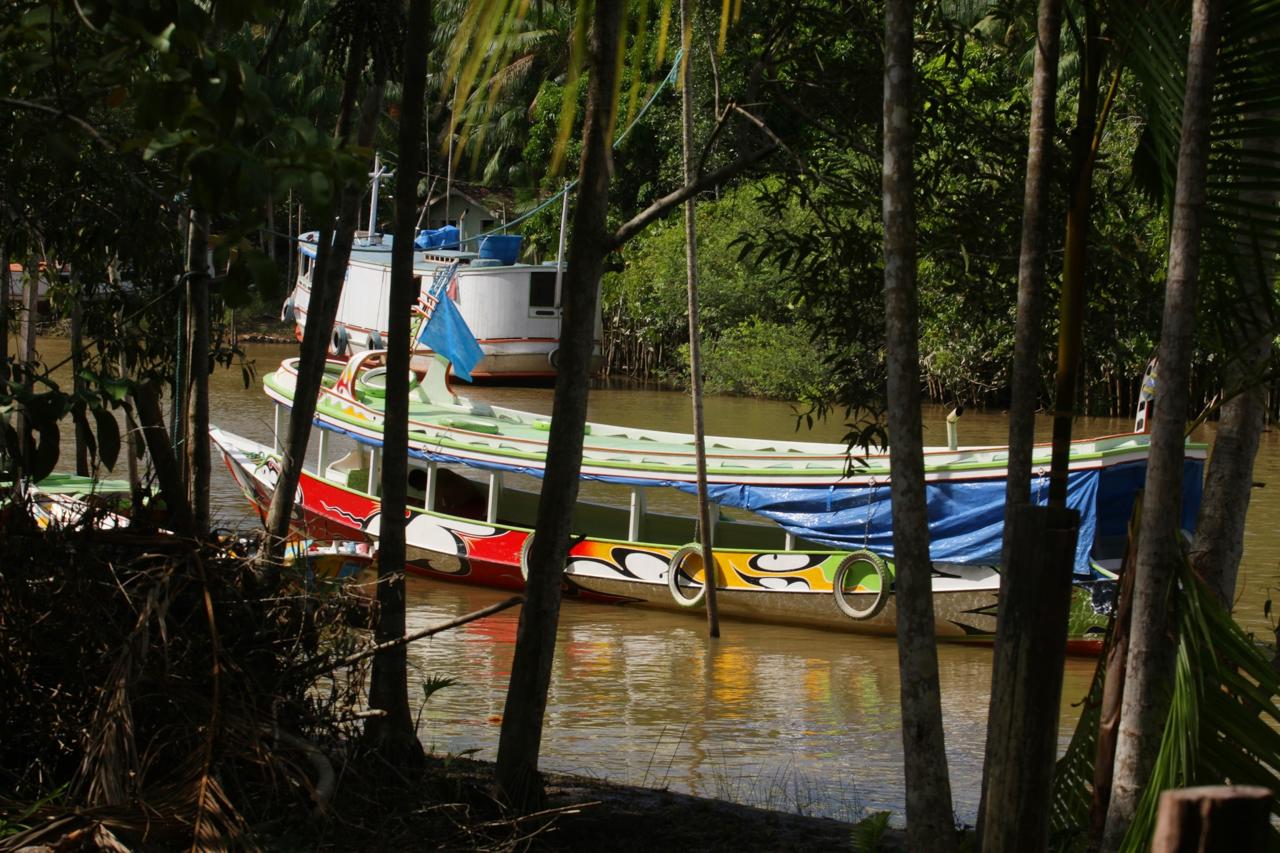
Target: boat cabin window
<point>416,493</point>
<point>542,293</point>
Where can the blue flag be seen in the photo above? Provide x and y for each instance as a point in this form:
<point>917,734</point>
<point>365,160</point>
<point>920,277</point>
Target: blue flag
<point>448,334</point>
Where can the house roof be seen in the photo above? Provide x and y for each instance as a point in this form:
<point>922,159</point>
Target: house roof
<point>495,200</point>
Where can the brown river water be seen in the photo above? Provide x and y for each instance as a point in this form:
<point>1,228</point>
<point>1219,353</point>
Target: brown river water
<point>787,718</point>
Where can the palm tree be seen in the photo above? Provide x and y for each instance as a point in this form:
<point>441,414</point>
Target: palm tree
<point>531,50</point>
<point>521,736</point>
<point>358,34</point>
<point>1150,665</point>
<point>1021,771</point>
<point>929,812</point>
<point>393,734</point>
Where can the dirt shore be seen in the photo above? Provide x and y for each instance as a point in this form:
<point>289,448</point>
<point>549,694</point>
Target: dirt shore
<point>457,811</point>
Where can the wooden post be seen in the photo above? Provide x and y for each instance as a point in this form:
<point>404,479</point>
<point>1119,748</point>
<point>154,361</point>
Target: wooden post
<point>695,356</point>
<point>1026,681</point>
<point>1212,819</point>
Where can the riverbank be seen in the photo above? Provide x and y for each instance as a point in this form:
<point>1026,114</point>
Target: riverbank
<point>581,814</point>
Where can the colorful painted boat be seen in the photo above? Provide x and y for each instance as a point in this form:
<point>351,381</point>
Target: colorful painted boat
<point>816,549</point>
<point>513,309</point>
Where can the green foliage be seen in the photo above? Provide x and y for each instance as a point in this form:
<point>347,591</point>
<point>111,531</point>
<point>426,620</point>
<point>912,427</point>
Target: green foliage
<point>433,684</point>
<point>127,117</point>
<point>1223,725</point>
<point>866,835</point>
<point>646,305</point>
<point>762,358</point>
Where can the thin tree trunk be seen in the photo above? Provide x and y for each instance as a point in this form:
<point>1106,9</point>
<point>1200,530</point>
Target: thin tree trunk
<point>1075,259</point>
<point>5,292</point>
<point>1028,337</point>
<point>27,347</point>
<point>1219,542</point>
<point>146,402</point>
<point>695,353</point>
<point>394,735</point>
<point>1149,669</point>
<point>930,822</point>
<point>77,365</point>
<point>330,270</point>
<point>4,313</point>
<point>521,735</point>
<point>196,440</point>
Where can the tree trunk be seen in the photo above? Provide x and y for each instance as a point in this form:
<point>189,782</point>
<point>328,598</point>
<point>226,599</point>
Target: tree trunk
<point>332,255</point>
<point>1219,542</point>
<point>930,822</point>
<point>695,352</point>
<point>393,735</point>
<point>197,420</point>
<point>521,736</point>
<point>27,348</point>
<point>1028,339</point>
<point>146,402</point>
<point>1075,258</point>
<point>77,365</point>
<point>1031,647</point>
<point>1150,667</point>
<point>4,313</point>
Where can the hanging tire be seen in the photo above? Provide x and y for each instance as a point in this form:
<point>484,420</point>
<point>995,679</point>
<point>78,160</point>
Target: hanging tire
<point>879,566</point>
<point>673,576</point>
<point>288,313</point>
<point>375,341</point>
<point>524,557</point>
<point>341,341</point>
<point>553,359</point>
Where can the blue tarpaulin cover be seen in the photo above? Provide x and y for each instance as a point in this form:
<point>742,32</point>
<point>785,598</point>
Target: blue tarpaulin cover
<point>966,517</point>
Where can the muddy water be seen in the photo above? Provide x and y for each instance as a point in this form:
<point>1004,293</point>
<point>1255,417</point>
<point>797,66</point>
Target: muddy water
<point>777,716</point>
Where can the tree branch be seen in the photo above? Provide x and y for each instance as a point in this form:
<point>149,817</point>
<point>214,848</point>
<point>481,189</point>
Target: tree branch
<point>74,119</point>
<point>670,201</point>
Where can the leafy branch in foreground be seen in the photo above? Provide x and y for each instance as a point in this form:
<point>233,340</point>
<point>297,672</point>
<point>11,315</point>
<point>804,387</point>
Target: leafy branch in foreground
<point>1224,722</point>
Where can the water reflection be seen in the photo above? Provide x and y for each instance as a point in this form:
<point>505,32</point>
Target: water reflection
<point>768,715</point>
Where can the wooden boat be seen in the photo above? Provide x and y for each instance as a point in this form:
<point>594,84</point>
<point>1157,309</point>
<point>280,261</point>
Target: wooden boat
<point>513,309</point>
<point>815,550</point>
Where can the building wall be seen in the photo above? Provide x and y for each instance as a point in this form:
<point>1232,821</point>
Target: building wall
<point>471,219</point>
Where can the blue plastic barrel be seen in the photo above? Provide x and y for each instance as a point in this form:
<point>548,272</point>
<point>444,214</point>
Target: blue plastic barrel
<point>502,247</point>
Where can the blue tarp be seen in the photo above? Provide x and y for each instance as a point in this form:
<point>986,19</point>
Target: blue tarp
<point>437,238</point>
<point>966,518</point>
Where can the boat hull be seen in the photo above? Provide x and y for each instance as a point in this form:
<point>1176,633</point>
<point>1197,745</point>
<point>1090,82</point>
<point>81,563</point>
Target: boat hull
<point>794,588</point>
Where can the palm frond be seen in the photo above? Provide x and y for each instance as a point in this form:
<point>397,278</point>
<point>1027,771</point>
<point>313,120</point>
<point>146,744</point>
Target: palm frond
<point>1223,724</point>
